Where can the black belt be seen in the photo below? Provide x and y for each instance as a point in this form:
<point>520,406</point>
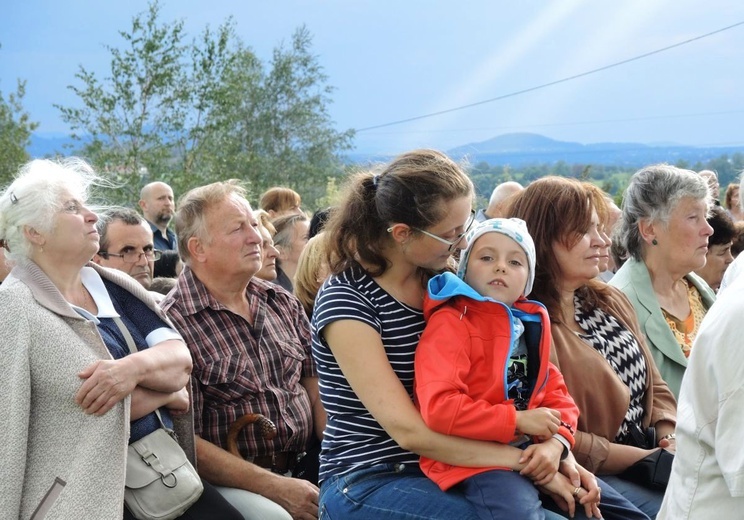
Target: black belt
<point>280,462</point>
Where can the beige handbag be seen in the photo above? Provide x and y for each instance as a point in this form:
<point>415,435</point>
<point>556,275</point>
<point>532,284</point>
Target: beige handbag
<point>161,483</point>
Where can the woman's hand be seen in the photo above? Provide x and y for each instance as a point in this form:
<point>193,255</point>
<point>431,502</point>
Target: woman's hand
<point>566,495</point>
<point>588,482</point>
<point>542,461</point>
<point>179,404</point>
<point>621,457</point>
<point>668,444</point>
<point>542,422</point>
<point>106,383</point>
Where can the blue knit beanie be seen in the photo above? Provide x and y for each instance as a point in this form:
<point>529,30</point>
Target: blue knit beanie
<point>514,228</point>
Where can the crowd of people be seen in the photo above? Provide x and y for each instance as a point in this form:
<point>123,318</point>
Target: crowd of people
<point>401,354</point>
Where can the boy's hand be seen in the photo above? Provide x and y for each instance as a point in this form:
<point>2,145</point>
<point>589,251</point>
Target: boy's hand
<point>542,422</point>
<point>544,459</point>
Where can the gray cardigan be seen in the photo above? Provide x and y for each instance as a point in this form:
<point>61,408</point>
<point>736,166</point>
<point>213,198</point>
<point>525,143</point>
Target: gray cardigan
<point>45,436</point>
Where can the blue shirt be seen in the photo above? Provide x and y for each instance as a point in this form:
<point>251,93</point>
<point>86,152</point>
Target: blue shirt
<point>167,243</point>
<point>146,328</point>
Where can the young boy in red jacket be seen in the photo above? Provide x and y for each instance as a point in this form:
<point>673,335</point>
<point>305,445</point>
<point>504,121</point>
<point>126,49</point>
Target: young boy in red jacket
<point>483,372</point>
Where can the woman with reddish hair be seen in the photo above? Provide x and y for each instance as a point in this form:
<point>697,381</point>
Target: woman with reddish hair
<point>597,342</point>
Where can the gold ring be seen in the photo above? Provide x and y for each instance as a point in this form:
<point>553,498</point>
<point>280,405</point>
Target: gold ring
<point>576,491</point>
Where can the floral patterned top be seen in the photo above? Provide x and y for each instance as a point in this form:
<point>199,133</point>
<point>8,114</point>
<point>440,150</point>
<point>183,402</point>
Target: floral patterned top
<point>686,330</point>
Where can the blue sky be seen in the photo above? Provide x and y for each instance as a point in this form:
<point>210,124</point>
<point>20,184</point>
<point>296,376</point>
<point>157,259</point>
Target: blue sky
<point>391,60</point>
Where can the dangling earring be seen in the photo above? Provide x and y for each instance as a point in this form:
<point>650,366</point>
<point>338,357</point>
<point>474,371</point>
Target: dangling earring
<point>654,242</point>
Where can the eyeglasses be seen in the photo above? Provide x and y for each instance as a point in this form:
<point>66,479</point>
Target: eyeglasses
<point>458,238</point>
<point>132,257</point>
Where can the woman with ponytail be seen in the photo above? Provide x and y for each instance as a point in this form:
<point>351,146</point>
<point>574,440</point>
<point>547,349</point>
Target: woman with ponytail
<point>389,235</point>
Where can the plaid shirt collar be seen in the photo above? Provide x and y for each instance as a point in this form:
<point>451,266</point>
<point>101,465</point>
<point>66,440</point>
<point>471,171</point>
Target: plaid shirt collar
<point>195,297</point>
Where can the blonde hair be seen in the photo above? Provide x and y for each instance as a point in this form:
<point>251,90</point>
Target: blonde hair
<point>265,220</point>
<point>310,266</point>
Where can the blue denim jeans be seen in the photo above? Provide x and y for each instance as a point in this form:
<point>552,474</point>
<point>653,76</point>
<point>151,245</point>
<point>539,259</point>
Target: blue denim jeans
<point>645,499</point>
<point>392,491</point>
<point>503,494</point>
<point>613,505</point>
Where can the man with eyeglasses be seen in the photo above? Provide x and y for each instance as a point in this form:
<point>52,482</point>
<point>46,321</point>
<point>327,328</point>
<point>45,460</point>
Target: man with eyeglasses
<point>126,244</point>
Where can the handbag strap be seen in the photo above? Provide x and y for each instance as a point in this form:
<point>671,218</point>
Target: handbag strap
<point>132,349</point>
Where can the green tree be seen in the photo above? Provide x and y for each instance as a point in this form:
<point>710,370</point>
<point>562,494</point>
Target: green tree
<point>276,129</point>
<point>127,119</point>
<point>15,133</point>
<point>192,113</point>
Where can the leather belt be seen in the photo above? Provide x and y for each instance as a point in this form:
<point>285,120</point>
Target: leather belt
<point>280,462</point>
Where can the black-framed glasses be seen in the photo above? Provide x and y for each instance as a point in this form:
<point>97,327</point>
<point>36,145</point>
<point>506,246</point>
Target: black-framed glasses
<point>132,257</point>
<point>458,238</point>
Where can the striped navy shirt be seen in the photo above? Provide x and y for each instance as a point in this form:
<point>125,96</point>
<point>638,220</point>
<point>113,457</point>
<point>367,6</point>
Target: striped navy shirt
<point>353,438</point>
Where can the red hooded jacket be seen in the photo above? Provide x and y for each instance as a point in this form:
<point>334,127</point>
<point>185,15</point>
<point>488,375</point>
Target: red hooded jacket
<point>461,366</point>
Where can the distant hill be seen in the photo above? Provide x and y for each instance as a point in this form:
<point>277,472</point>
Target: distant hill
<point>521,149</point>
<point>524,149</point>
<point>516,150</point>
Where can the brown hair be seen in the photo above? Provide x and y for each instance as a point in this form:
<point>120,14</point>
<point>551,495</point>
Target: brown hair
<point>723,227</point>
<point>411,190</point>
<point>730,190</point>
<point>737,245</point>
<point>280,199</point>
<point>599,202</point>
<point>557,210</point>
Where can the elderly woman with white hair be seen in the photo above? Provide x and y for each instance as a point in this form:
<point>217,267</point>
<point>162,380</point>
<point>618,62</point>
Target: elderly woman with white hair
<point>74,393</point>
<point>665,231</point>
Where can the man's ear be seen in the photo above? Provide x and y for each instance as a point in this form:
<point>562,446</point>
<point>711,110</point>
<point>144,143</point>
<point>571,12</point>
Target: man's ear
<point>196,249</point>
<point>142,205</point>
<point>97,259</point>
<point>401,233</point>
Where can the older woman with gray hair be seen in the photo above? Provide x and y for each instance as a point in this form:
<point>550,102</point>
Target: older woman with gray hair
<point>290,239</point>
<point>665,233</point>
<point>74,395</point>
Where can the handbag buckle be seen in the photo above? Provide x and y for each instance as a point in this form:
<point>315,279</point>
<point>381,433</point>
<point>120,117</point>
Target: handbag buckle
<point>175,480</point>
<point>149,459</point>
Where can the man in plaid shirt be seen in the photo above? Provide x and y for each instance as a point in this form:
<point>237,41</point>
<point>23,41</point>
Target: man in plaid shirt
<point>250,343</point>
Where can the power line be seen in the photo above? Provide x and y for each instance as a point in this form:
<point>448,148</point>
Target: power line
<point>566,123</point>
<point>550,84</point>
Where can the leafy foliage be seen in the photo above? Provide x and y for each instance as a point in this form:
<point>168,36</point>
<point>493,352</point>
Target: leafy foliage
<point>193,112</point>
<point>15,133</point>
